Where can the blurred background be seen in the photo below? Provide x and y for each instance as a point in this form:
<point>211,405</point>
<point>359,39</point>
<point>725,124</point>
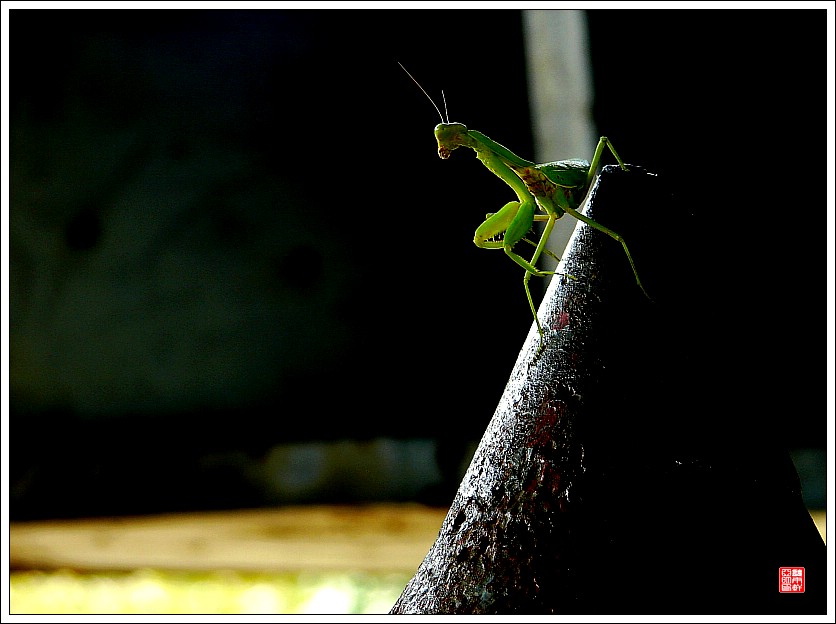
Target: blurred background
<point>242,279</point>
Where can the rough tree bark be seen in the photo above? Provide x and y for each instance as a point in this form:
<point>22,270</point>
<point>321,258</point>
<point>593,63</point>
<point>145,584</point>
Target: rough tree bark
<point>623,471</point>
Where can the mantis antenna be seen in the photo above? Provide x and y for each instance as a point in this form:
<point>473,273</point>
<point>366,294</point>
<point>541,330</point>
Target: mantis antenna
<point>444,99</point>
<point>428,95</point>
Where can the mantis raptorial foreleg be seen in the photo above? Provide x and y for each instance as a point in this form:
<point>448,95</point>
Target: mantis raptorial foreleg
<point>513,221</point>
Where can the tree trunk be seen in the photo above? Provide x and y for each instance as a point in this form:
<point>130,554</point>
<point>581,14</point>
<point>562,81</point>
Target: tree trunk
<point>627,468</point>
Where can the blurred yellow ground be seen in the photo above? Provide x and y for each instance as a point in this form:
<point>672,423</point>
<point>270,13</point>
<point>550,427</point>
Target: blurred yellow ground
<point>820,518</point>
<point>292,560</point>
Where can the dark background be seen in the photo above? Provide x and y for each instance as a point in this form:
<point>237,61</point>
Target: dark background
<point>230,230</point>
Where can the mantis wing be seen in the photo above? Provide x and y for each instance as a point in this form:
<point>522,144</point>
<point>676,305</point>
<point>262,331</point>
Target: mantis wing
<point>567,173</point>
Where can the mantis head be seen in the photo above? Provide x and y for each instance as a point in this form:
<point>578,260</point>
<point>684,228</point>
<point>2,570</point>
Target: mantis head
<point>450,136</point>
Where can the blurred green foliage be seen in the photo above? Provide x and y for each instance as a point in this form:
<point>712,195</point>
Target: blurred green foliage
<point>213,592</point>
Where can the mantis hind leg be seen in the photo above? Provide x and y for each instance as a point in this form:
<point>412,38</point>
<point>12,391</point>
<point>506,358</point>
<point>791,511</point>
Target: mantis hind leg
<point>596,159</point>
<point>531,269</point>
<point>593,167</point>
<point>601,228</point>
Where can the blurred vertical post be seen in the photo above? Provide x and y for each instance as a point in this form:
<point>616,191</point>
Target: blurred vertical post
<point>560,93</point>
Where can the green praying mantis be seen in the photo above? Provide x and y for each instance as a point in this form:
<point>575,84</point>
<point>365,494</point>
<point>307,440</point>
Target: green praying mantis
<point>556,188</point>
